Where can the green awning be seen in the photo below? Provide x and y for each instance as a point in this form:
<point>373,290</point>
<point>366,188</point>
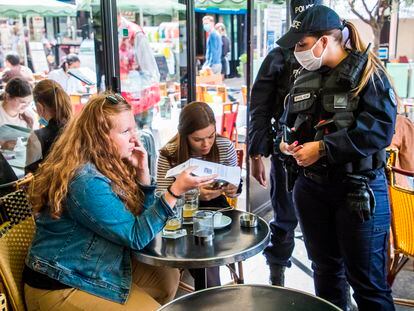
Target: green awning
<point>148,7</point>
<point>13,8</point>
<point>221,4</point>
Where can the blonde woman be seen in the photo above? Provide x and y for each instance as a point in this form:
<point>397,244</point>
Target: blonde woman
<point>94,204</point>
<point>339,119</point>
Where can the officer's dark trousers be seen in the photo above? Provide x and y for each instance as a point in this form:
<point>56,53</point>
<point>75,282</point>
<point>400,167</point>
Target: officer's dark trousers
<point>284,222</point>
<point>341,247</point>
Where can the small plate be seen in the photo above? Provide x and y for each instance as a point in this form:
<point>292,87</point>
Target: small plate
<point>225,221</point>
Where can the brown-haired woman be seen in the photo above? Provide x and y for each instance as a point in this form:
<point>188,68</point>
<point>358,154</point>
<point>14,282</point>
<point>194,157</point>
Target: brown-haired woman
<point>197,138</point>
<point>54,109</point>
<point>15,108</point>
<point>341,111</point>
<point>94,203</point>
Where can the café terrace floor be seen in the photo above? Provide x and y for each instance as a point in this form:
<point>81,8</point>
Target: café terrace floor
<point>299,276</point>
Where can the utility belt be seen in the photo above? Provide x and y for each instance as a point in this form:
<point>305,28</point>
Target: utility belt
<point>330,176</point>
<point>322,177</point>
<point>360,199</point>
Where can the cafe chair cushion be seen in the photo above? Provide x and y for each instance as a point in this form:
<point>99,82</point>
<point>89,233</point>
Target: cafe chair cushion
<point>16,235</point>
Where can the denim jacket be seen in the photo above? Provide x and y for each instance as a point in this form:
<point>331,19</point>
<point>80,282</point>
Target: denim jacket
<point>89,246</point>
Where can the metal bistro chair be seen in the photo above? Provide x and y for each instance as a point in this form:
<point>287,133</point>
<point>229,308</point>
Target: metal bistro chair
<point>16,234</point>
<point>402,224</point>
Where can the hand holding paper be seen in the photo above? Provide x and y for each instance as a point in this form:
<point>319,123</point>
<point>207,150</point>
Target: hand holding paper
<point>230,174</point>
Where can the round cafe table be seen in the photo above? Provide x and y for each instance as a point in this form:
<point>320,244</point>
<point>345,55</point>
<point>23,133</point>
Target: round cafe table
<point>230,244</point>
<point>249,298</point>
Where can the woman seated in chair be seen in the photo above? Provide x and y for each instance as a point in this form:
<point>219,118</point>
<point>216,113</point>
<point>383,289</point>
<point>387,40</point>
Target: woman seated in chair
<point>94,204</point>
<point>15,108</point>
<point>197,138</point>
<point>54,109</point>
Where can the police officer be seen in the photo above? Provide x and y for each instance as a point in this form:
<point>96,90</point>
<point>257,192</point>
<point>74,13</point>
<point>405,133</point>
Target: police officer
<point>339,119</point>
<point>268,93</point>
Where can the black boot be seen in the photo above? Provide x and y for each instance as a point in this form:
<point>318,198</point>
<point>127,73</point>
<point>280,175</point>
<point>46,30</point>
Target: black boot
<point>277,275</point>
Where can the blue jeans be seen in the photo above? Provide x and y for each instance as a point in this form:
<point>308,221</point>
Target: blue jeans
<point>343,249</point>
<point>284,221</point>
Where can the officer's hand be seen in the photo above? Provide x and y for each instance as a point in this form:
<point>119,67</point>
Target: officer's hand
<point>290,149</point>
<point>258,171</point>
<point>307,154</point>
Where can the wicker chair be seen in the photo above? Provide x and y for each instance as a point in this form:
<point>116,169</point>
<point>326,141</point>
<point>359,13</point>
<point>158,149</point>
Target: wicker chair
<point>402,226</point>
<point>16,234</point>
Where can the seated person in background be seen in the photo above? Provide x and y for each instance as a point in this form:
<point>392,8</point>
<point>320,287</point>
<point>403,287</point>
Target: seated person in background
<point>403,140</point>
<point>197,138</point>
<point>14,69</point>
<point>54,109</point>
<point>94,205</point>
<point>70,84</point>
<point>15,108</point>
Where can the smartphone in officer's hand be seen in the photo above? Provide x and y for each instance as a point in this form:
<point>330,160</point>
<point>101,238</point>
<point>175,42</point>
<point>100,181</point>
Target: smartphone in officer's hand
<point>288,135</point>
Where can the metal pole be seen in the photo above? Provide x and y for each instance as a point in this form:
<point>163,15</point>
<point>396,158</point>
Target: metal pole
<point>24,39</point>
<point>288,17</point>
<point>191,51</point>
<point>110,44</point>
<point>250,54</point>
<point>393,40</point>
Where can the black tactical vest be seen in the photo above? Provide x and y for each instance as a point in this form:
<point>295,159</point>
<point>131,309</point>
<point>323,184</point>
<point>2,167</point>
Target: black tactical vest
<point>322,104</point>
<point>284,82</point>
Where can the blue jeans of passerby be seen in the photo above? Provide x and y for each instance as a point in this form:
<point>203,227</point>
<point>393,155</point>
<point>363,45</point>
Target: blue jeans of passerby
<point>342,248</point>
<point>284,221</point>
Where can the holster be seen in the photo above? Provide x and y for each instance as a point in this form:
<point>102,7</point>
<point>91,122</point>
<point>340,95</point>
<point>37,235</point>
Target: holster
<point>292,172</point>
<point>360,199</point>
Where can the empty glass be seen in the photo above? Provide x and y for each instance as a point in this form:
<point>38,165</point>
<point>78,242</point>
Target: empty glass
<point>190,205</point>
<point>203,226</point>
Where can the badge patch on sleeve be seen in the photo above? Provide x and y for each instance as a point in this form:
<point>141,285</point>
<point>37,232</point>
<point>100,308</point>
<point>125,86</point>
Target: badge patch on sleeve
<point>392,97</point>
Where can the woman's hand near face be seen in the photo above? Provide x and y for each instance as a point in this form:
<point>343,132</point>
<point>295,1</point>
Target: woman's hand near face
<point>139,160</point>
<point>230,190</point>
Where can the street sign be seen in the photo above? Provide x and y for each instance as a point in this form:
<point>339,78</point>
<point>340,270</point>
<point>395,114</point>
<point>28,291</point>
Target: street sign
<point>383,53</point>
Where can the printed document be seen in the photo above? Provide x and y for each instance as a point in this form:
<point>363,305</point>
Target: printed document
<point>230,174</point>
<point>12,132</point>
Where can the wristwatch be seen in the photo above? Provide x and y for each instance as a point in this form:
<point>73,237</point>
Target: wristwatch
<point>322,148</point>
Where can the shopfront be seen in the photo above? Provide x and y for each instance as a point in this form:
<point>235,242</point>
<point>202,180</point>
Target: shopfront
<point>152,52</point>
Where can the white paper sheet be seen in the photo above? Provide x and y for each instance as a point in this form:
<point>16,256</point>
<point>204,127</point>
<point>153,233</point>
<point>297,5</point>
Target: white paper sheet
<point>230,174</point>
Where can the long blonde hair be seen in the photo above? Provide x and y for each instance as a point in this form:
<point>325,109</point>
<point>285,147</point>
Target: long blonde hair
<point>86,140</point>
<point>373,67</point>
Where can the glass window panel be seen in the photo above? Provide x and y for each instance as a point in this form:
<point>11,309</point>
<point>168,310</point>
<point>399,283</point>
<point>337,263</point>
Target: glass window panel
<point>152,57</point>
<point>42,38</point>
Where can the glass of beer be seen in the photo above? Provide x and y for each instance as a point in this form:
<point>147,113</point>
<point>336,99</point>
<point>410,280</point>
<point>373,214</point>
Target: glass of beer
<point>175,222</point>
<point>190,205</point>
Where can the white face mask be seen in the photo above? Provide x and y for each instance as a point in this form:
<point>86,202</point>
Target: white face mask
<point>308,60</point>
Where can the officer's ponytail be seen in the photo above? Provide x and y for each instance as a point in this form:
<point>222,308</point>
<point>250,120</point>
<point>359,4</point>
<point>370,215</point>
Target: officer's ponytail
<point>373,66</point>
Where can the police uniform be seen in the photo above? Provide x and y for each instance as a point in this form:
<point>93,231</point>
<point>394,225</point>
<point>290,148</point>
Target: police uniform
<point>267,98</point>
<point>342,199</point>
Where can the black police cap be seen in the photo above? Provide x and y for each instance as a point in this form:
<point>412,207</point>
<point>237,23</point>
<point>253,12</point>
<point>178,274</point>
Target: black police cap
<point>315,19</point>
<point>299,6</point>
